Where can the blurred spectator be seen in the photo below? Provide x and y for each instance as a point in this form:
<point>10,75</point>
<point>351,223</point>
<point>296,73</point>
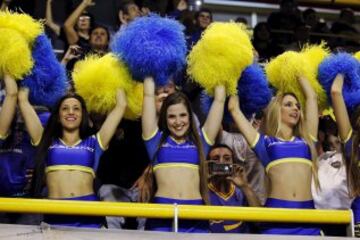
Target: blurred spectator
<point>228,188</point>
<point>128,11</point>
<point>344,26</point>
<point>316,25</point>
<point>264,44</point>
<point>98,44</point>
<point>301,37</point>
<point>78,25</point>
<point>203,18</point>
<point>241,20</point>
<point>286,19</point>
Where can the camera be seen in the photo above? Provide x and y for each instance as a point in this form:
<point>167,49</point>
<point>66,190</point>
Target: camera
<point>216,168</point>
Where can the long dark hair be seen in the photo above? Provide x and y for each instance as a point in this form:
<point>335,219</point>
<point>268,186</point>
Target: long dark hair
<point>52,131</point>
<point>352,161</point>
<point>147,191</point>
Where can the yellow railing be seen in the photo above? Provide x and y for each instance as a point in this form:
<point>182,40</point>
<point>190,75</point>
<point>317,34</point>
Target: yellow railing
<point>174,211</point>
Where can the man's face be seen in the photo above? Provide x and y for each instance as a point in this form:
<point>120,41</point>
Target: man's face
<point>204,19</point>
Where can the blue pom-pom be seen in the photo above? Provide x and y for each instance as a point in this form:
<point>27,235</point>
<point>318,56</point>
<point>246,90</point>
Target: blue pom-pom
<point>253,91</point>
<point>347,65</point>
<point>47,81</point>
<point>152,46</point>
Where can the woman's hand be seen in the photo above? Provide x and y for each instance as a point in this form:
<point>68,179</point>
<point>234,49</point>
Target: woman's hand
<point>10,85</point>
<point>121,98</point>
<point>337,85</point>
<point>23,94</point>
<point>233,104</point>
<point>88,3</point>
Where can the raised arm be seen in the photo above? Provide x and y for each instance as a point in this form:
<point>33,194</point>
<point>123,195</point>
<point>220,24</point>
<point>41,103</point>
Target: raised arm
<point>213,121</point>
<point>311,107</point>
<point>113,119</point>
<point>8,108</point>
<point>244,126</point>
<point>338,103</point>
<point>149,119</point>
<point>49,19</point>
<point>31,119</point>
<point>69,25</point>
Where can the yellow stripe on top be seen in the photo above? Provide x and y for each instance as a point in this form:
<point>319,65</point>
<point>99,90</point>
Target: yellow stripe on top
<point>253,144</point>
<point>146,138</point>
<point>3,137</point>
<point>70,167</point>
<point>167,165</point>
<point>206,137</point>
<point>348,136</point>
<point>288,160</point>
<point>224,196</point>
<point>232,226</point>
<point>100,142</point>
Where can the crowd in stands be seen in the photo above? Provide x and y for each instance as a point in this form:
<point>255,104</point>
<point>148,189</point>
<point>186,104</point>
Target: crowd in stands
<point>130,157</point>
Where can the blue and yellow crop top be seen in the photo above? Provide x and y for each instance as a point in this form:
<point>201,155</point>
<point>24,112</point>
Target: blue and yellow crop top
<point>273,151</point>
<point>172,153</point>
<point>83,156</point>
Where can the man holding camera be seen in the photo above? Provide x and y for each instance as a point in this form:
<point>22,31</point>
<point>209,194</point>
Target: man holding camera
<point>228,186</point>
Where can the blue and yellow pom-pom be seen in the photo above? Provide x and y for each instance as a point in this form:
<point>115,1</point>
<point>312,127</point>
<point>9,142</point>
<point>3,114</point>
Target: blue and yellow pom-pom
<point>47,81</point>
<point>24,24</point>
<point>15,54</point>
<point>97,79</point>
<point>284,70</point>
<point>220,56</point>
<point>152,46</point>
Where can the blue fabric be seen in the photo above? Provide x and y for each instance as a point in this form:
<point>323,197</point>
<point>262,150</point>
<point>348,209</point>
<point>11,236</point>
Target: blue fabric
<point>173,152</point>
<point>74,220</point>
<point>289,228</point>
<point>269,148</point>
<point>16,156</point>
<point>86,153</point>
<point>235,198</point>
<point>166,225</point>
<point>355,206</point>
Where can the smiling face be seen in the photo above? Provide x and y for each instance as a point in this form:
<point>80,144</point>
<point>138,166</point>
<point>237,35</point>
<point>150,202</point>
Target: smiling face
<point>70,114</point>
<point>290,111</point>
<point>178,121</point>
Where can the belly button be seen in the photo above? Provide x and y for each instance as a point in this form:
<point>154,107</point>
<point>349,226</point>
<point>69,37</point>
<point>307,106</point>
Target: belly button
<point>294,194</point>
<point>72,194</point>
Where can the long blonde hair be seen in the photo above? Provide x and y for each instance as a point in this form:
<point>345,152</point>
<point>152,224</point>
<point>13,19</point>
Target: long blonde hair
<point>273,127</point>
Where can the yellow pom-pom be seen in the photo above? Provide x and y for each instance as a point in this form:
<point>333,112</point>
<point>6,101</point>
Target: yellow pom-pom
<point>357,55</point>
<point>24,24</point>
<point>283,73</point>
<point>220,56</point>
<point>15,54</point>
<point>314,55</point>
<point>134,100</point>
<point>97,79</point>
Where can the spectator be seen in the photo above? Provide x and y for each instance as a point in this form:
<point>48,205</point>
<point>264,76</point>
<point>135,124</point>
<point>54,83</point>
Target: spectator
<point>78,25</point>
<point>128,11</point>
<point>316,25</point>
<point>203,18</point>
<point>301,37</point>
<point>264,44</point>
<point>228,188</point>
<point>241,20</point>
<point>344,27</point>
<point>98,44</point>
<point>286,19</point>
